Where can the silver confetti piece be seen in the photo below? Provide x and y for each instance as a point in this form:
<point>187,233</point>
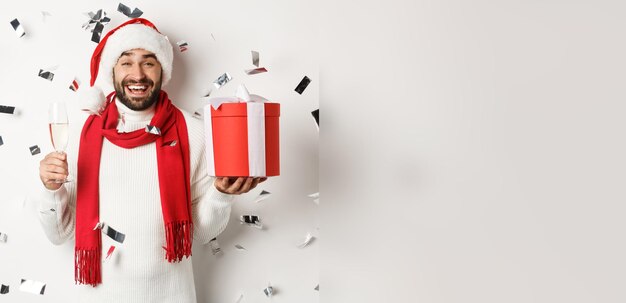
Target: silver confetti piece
<point>251,220</point>
<point>1,142</point>
<point>215,247</point>
<point>7,109</point>
<point>74,85</point>
<point>198,113</point>
<point>31,286</point>
<point>19,29</point>
<point>315,197</point>
<point>48,75</point>
<point>182,46</point>
<point>239,298</point>
<point>34,150</point>
<point>255,58</point>
<point>262,196</point>
<point>45,14</point>
<point>4,289</point>
<point>237,246</point>
<point>256,71</point>
<point>269,291</point>
<point>302,85</point>
<point>317,287</point>
<point>316,116</point>
<point>110,232</point>
<point>307,240</point>
<point>222,80</point>
<point>153,130</point>
<point>3,238</point>
<point>136,13</point>
<point>213,37</point>
<point>97,32</point>
<point>170,143</point>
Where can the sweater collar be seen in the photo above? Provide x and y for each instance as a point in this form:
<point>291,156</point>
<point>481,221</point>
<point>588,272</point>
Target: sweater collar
<point>131,120</point>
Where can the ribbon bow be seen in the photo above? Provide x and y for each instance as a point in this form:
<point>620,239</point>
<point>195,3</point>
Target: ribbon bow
<point>242,95</point>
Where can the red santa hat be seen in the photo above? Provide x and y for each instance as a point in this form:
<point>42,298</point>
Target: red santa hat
<point>136,33</point>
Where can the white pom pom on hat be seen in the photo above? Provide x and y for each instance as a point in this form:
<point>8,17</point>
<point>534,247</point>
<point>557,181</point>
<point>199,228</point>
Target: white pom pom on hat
<point>136,33</point>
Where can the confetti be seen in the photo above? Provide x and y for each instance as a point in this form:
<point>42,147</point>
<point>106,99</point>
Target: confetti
<point>269,291</point>
<point>19,30</point>
<point>307,240</point>
<point>1,142</point>
<point>316,116</point>
<point>316,197</point>
<point>7,109</point>
<point>153,130</point>
<point>3,238</point>
<point>237,246</point>
<point>182,46</point>
<point>136,13</point>
<point>222,80</point>
<point>97,32</point>
<point>215,247</point>
<point>4,289</point>
<point>109,231</point>
<point>302,85</point>
<point>239,298</point>
<point>213,37</point>
<point>48,75</point>
<point>251,220</point>
<point>74,85</point>
<point>262,196</point>
<point>255,58</point>
<point>110,252</point>
<point>31,286</point>
<point>170,143</point>
<point>317,287</point>
<point>256,71</point>
<point>34,150</point>
<point>44,14</point>
<point>96,24</point>
<point>198,113</point>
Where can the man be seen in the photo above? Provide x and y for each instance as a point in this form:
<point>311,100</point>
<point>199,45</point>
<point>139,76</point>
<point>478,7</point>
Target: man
<point>149,183</point>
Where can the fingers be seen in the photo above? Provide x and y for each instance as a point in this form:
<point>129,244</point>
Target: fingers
<point>53,167</point>
<point>237,185</point>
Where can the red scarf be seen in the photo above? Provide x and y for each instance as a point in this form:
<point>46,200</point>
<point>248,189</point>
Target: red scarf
<point>174,179</point>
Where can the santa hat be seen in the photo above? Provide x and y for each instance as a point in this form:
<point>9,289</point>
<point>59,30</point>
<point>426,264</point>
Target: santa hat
<point>136,33</point>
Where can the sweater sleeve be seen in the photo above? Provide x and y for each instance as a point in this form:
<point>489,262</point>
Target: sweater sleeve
<point>210,208</point>
<point>56,214</point>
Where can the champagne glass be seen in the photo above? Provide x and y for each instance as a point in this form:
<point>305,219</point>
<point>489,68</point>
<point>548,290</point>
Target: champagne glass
<point>57,119</point>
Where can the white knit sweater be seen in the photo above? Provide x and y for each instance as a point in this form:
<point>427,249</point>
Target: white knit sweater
<point>130,203</point>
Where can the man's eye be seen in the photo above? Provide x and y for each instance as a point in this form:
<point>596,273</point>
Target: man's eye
<point>149,64</point>
<point>125,64</point>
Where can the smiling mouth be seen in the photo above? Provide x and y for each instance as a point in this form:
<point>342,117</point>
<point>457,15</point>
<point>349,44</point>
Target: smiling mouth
<point>137,90</point>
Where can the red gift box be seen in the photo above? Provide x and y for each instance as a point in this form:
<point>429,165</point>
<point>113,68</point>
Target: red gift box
<point>242,139</point>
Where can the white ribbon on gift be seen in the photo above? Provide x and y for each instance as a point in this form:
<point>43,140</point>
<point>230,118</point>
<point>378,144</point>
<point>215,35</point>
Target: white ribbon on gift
<point>256,130</point>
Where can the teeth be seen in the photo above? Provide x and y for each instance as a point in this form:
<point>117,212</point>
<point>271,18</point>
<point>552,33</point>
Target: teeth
<point>136,87</point>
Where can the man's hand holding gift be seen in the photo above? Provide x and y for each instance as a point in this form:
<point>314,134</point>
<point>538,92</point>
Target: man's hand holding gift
<point>237,185</point>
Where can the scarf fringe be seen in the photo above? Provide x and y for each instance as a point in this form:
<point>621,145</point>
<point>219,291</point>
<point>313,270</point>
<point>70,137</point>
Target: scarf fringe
<point>87,266</point>
<point>178,236</point>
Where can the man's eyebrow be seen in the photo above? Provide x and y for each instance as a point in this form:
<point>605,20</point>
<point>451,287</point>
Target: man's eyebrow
<point>130,53</point>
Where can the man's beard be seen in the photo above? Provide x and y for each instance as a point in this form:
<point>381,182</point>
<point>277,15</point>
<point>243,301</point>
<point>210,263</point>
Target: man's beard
<point>132,103</point>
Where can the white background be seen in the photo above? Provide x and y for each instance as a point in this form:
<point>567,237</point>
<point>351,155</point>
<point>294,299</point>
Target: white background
<point>284,32</point>
<point>471,151</point>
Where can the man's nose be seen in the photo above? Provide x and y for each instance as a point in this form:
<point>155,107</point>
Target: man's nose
<point>137,72</point>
